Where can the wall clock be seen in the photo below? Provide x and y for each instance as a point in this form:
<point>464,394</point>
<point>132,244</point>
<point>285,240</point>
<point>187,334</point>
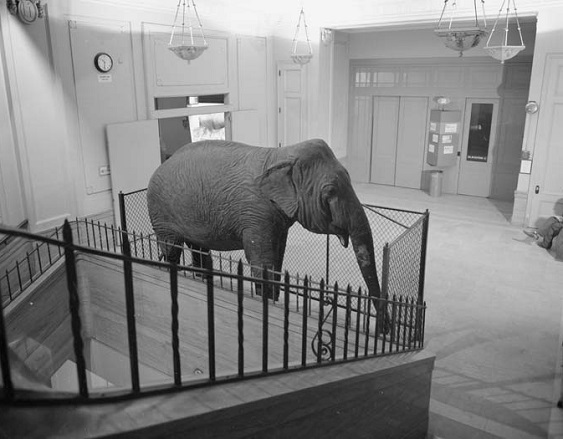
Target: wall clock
<point>27,11</point>
<point>103,62</point>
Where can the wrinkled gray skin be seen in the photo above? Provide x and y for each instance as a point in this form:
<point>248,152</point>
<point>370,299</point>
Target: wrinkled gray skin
<point>223,195</point>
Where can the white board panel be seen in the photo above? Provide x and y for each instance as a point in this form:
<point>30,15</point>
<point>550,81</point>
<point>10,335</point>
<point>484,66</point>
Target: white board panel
<point>134,154</point>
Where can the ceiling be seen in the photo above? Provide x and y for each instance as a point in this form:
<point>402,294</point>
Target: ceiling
<point>276,17</point>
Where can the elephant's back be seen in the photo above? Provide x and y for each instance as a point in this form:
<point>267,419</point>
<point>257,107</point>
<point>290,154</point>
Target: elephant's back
<point>210,161</point>
<point>202,184</point>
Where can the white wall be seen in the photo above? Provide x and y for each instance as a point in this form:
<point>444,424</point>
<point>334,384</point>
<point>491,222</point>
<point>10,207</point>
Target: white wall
<point>37,114</point>
<point>12,206</point>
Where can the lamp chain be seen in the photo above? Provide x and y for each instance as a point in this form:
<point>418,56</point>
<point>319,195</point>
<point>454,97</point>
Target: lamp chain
<point>199,23</point>
<point>295,38</point>
<point>174,23</point>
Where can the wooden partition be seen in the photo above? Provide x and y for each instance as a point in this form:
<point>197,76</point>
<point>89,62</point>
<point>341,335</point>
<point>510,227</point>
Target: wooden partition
<point>380,397</point>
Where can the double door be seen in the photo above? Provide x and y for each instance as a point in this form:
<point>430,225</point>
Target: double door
<point>397,140</point>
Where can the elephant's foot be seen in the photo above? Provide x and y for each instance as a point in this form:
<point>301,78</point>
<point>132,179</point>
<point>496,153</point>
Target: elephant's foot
<point>383,319</point>
<point>384,324</point>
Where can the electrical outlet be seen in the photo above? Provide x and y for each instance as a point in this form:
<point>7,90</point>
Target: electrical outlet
<point>104,170</point>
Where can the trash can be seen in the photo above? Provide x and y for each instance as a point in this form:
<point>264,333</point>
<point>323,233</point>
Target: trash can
<point>436,178</point>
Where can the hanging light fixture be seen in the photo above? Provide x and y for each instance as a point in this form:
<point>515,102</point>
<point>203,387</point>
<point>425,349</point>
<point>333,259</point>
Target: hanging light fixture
<point>301,58</point>
<point>187,50</point>
<point>504,51</point>
<point>461,38</point>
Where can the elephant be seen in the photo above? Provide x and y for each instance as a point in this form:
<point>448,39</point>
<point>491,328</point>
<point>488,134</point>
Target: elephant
<point>224,195</point>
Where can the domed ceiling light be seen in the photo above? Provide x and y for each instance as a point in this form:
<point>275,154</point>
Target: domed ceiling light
<point>505,51</point>
<point>301,57</point>
<point>461,38</point>
<point>187,50</point>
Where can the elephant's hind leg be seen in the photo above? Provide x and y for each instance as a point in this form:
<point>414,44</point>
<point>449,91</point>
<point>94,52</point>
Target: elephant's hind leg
<point>171,250</point>
<point>262,250</point>
<point>201,257</point>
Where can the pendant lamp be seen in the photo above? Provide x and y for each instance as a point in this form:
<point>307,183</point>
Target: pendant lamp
<point>187,50</point>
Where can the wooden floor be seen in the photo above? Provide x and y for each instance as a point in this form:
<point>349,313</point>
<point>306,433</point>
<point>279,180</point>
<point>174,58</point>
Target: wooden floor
<point>104,304</point>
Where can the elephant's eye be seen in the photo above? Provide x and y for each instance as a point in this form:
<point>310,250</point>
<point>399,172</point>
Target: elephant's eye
<point>329,192</point>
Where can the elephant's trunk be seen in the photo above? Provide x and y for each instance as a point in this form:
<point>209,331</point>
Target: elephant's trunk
<point>362,242</point>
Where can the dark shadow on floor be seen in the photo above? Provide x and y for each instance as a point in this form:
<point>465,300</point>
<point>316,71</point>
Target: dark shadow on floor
<point>505,207</point>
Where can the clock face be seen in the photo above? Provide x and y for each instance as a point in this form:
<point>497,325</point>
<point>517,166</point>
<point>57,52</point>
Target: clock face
<point>27,11</point>
<point>103,62</point>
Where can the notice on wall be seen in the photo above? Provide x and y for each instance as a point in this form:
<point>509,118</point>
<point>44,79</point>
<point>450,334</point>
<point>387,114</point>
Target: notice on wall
<point>431,147</point>
<point>450,128</point>
<point>448,149</point>
<point>447,138</point>
<point>435,138</point>
<point>526,166</point>
<point>433,126</point>
<point>104,78</point>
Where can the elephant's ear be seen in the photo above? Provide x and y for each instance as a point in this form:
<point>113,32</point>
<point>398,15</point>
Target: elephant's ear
<point>277,184</point>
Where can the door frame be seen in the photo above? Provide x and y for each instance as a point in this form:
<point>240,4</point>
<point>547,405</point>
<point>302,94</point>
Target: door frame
<point>281,68</point>
<point>465,139</point>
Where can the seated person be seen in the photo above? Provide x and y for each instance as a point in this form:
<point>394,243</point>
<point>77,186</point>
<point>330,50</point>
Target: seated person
<point>545,234</point>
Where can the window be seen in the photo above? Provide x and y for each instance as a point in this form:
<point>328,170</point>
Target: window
<point>479,132</point>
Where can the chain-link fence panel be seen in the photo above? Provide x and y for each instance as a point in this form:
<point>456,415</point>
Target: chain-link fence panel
<point>135,212</point>
<point>404,275</point>
<point>320,256</point>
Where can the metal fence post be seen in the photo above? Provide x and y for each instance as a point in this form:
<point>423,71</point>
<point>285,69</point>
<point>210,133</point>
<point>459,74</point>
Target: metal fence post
<point>327,264</point>
<point>4,359</point>
<point>130,311</point>
<point>74,304</point>
<point>208,265</point>
<point>122,214</point>
<point>385,272</point>
<point>423,257</point>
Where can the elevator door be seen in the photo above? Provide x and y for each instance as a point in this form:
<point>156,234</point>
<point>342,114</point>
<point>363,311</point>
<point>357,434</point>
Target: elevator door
<point>477,147</point>
<point>398,139</point>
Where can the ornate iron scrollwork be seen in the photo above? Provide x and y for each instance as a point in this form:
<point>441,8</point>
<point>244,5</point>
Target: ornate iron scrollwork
<point>326,336</point>
<point>326,345</point>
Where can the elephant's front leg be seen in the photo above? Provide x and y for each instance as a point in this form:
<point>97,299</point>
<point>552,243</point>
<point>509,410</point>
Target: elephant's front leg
<point>261,250</point>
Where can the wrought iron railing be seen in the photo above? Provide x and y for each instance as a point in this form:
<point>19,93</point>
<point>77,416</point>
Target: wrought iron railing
<point>24,271</point>
<point>333,325</point>
<point>21,273</point>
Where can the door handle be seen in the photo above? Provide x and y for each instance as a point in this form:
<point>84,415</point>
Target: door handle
<point>537,190</point>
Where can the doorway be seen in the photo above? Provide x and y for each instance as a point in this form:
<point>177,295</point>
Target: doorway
<point>477,147</point>
<point>175,132</point>
<point>291,104</point>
